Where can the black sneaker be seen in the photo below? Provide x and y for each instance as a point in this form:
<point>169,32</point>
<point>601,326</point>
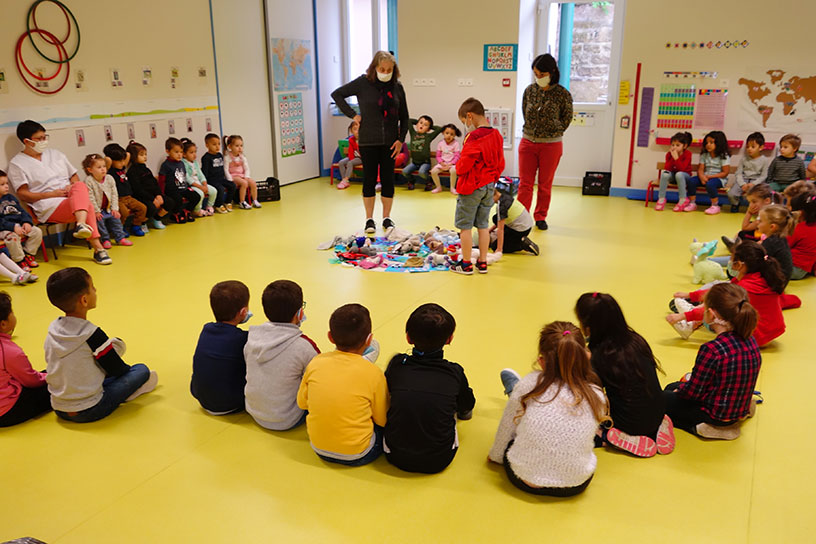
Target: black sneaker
<point>410,185</point>
<point>729,242</point>
<point>461,268</point>
<point>541,225</point>
<point>481,266</point>
<point>387,223</point>
<point>101,257</point>
<point>529,246</point>
<point>734,208</point>
<point>429,185</point>
<point>370,227</point>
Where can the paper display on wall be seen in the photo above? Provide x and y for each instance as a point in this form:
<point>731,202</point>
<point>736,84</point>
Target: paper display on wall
<point>292,130</point>
<point>291,64</point>
<point>3,82</point>
<point>500,57</point>
<point>645,122</point>
<point>675,107</point>
<point>502,120</point>
<point>778,99</point>
<point>709,110</point>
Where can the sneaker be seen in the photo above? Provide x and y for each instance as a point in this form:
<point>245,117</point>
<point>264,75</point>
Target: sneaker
<point>640,446</point>
<point>23,266</point>
<point>106,244</point>
<point>684,328</point>
<point>660,205</point>
<point>372,352</point>
<point>712,210</point>
<point>729,432</point>
<point>681,305</point>
<point>729,242</point>
<point>221,209</point>
<point>244,206</point>
<point>256,204</point>
<point>31,262</point>
<point>542,225</point>
<point>461,268</point>
<point>371,226</point>
<point>734,208</point>
<point>665,436</point>
<point>429,186</point>
<point>529,246</point>
<point>690,207</point>
<point>410,185</point>
<point>146,387</point>
<point>388,223</point>
<point>145,229</point>
<point>124,242</point>
<point>34,277</point>
<point>179,218</point>
<point>681,206</point>
<point>137,230</point>
<point>101,257</point>
<point>343,185</point>
<point>229,207</point>
<point>82,231</point>
<point>509,379</point>
<point>481,266</point>
<point>156,224</point>
<point>210,210</point>
<point>21,278</point>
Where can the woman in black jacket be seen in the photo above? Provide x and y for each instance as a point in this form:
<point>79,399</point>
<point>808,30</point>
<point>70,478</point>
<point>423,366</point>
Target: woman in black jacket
<point>383,122</point>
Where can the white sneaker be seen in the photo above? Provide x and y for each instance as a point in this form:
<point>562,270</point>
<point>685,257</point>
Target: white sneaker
<point>729,432</point>
<point>146,387</point>
<point>256,204</point>
<point>684,329</point>
<point>683,305</point>
<point>21,278</point>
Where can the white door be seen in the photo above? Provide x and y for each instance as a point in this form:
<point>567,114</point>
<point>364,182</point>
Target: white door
<point>293,89</point>
<point>593,31</point>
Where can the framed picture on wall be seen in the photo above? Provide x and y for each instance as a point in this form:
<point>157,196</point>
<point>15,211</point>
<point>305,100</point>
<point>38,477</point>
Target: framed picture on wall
<point>152,131</point>
<point>171,127</point>
<point>108,133</point>
<point>189,124</point>
<point>80,137</point>
<point>131,130</point>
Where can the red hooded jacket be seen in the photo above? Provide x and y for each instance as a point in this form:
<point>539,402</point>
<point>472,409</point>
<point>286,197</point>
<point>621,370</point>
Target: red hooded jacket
<point>482,160</point>
<point>771,324</point>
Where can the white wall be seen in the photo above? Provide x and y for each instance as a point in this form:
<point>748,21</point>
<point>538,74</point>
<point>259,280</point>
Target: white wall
<point>332,73</point>
<point>240,42</point>
<point>114,35</point>
<point>774,33</point>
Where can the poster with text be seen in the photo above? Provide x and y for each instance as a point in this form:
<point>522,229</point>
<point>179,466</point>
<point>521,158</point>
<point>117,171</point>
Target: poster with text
<point>675,106</point>
<point>292,130</point>
<point>500,57</point>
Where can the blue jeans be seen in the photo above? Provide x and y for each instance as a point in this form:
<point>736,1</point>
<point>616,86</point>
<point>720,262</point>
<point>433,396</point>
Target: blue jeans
<point>108,226</point>
<point>423,168</point>
<point>680,178</point>
<point>375,451</point>
<point>116,390</point>
<point>712,186</point>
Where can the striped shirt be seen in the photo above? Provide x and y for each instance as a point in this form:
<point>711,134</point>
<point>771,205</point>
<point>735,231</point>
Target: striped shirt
<point>786,170</point>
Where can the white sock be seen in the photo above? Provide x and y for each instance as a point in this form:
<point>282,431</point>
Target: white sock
<point>9,268</point>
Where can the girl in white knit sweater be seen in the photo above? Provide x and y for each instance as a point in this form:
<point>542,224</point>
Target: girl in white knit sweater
<point>546,436</point>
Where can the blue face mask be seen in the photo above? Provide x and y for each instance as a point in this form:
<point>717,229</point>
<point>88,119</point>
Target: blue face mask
<point>707,326</point>
<point>248,315</point>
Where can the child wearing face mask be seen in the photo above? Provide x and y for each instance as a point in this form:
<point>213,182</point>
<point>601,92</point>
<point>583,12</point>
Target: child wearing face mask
<point>447,153</point>
<point>718,394</point>
<point>219,370</point>
<point>276,354</point>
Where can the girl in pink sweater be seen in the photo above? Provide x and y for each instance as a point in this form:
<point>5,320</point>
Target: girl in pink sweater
<point>236,170</point>
<point>447,153</point>
<point>23,391</point>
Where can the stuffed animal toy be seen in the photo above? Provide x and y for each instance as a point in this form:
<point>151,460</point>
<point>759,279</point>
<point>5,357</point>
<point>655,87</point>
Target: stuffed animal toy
<point>704,270</point>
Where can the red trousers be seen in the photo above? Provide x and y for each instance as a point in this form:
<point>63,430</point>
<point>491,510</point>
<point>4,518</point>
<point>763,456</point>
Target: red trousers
<point>543,158</point>
<point>77,199</point>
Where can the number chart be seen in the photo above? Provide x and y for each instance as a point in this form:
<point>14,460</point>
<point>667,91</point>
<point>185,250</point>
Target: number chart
<point>292,130</point>
<point>675,108</point>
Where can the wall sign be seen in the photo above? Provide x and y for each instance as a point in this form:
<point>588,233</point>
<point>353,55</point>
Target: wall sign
<point>500,57</point>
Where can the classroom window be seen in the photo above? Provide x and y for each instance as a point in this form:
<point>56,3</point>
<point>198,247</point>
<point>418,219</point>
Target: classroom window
<point>580,35</point>
<point>367,32</point>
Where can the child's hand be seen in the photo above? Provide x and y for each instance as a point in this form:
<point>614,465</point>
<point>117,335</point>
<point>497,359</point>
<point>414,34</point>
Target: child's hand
<point>18,230</point>
<point>747,187</point>
<point>158,201</point>
<point>704,178</point>
<point>680,294</point>
<point>116,214</point>
<point>99,216</point>
<point>675,155</point>
<point>27,228</point>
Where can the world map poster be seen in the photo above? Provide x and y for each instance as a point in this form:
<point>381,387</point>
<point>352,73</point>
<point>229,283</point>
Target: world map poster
<point>779,99</point>
<point>291,64</point>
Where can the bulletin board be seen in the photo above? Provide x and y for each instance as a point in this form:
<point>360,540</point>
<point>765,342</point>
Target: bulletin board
<point>292,130</point>
<point>502,120</point>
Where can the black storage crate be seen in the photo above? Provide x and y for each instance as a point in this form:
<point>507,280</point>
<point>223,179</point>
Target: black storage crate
<point>596,183</point>
<point>268,189</point>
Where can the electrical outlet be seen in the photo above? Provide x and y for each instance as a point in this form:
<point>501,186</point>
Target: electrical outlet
<point>461,82</point>
<point>417,82</point>
<point>431,82</point>
<point>469,82</point>
<point>423,82</point>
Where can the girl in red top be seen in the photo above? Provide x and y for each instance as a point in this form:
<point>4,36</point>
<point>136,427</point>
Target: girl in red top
<point>352,159</point>
<point>718,395</point>
<point>23,391</point>
<point>678,170</point>
<point>803,240</point>
<point>764,280</point>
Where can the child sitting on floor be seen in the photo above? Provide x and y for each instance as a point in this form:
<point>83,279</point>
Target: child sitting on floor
<point>219,370</point>
<point>116,159</point>
<point>347,163</point>
<point>752,170</point>
<point>423,133</point>
<point>195,177</point>
<point>803,240</point>
<point>87,378</point>
<point>145,186</point>
<point>22,238</point>
<point>512,223</point>
<point>346,396</point>
<point>628,369</point>
<point>277,354</point>
<point>23,391</point>
<point>546,436</point>
<point>428,394</point>
<point>759,196</point>
<point>715,164</point>
<point>677,170</point>
<point>105,200</point>
<point>447,154</point>
<point>719,393</point>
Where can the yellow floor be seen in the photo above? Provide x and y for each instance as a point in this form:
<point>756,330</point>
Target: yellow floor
<point>161,470</point>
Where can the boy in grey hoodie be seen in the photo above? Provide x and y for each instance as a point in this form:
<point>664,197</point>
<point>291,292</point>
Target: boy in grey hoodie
<point>87,378</point>
<point>276,354</point>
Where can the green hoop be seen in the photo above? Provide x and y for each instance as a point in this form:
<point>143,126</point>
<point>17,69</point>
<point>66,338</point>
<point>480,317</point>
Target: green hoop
<point>67,12</point>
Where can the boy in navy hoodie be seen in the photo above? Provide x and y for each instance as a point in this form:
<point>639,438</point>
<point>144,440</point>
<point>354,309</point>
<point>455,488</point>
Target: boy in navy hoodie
<point>212,165</point>
<point>17,229</point>
<point>173,181</point>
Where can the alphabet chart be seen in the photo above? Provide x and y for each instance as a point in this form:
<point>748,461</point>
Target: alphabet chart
<point>292,131</point>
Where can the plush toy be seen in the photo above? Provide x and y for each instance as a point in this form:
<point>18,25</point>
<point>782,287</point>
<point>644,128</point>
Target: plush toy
<point>704,270</point>
<point>411,245</point>
<point>436,259</point>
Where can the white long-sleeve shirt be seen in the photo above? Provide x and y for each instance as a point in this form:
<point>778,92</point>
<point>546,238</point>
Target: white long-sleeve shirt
<point>553,441</point>
<point>229,158</point>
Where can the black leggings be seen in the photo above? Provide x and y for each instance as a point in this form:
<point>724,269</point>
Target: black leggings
<point>31,403</point>
<point>549,491</point>
<point>512,239</point>
<point>687,414</point>
<point>377,159</point>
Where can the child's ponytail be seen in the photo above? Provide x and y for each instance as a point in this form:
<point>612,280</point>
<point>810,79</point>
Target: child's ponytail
<point>780,216</point>
<point>805,206</point>
<point>231,138</point>
<point>565,362</point>
<point>684,138</point>
<point>731,302</point>
<point>755,259</point>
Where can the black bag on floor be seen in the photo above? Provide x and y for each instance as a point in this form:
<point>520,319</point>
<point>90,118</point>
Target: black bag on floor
<point>268,189</point>
<point>596,183</point>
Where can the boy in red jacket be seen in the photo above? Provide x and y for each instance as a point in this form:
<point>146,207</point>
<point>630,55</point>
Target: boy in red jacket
<point>480,165</point>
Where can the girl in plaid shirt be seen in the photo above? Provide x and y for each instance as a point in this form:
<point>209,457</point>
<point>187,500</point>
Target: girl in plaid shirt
<point>718,395</point>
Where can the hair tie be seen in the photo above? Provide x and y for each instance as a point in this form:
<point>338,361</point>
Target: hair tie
<point>566,333</point>
<point>595,294</point>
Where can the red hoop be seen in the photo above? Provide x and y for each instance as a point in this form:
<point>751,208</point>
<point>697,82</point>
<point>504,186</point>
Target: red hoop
<point>63,53</point>
<point>67,22</point>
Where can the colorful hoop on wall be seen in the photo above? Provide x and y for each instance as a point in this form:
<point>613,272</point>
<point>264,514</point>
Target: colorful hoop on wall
<point>21,66</point>
<point>69,16</point>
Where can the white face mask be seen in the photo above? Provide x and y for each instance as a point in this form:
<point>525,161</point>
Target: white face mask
<point>543,81</point>
<point>40,146</point>
<point>385,78</point>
